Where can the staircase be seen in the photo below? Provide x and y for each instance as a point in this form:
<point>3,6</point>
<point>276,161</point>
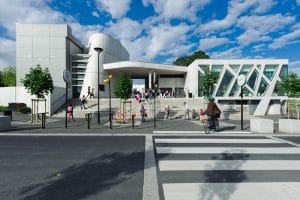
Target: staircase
<point>176,104</point>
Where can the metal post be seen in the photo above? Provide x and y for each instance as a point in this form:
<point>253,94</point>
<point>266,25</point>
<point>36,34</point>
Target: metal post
<point>98,50</point>
<point>242,108</point>
<point>98,96</point>
<point>154,118</point>
<point>66,116</point>
<point>110,120</point>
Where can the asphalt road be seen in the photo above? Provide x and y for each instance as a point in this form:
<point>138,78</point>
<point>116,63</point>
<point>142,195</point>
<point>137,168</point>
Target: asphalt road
<point>77,167</point>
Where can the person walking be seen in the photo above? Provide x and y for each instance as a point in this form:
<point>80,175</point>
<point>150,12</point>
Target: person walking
<point>143,113</point>
<point>70,112</point>
<point>212,111</point>
<point>187,111</point>
<point>82,102</point>
<point>168,112</point>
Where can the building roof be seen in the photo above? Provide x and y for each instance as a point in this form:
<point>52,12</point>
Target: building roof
<point>143,68</point>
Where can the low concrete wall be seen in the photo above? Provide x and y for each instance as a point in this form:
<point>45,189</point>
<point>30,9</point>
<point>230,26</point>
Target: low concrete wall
<point>289,126</point>
<point>261,125</point>
<point>5,123</point>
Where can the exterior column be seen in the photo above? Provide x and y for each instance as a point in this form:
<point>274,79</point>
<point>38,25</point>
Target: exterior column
<point>150,80</point>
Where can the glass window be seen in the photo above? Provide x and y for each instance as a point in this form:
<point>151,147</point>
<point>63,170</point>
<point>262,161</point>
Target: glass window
<point>284,71</point>
<point>79,76</point>
<point>270,70</point>
<point>263,86</point>
<point>252,79</point>
<point>200,84</point>
<point>226,80</point>
<point>246,92</point>
<point>234,90</point>
<point>235,67</point>
<point>78,70</point>
<point>246,69</point>
<point>278,90</point>
<point>77,82</point>
<point>204,67</point>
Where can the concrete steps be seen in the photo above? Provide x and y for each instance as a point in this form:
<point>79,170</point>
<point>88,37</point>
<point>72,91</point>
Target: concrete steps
<point>176,104</point>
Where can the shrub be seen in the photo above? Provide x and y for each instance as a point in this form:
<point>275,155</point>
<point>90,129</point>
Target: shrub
<point>25,110</point>
<point>2,108</point>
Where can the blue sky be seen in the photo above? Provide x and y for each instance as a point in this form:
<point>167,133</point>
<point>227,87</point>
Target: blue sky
<point>162,30</point>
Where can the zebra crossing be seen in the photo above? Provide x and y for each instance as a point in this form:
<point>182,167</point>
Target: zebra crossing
<point>227,167</point>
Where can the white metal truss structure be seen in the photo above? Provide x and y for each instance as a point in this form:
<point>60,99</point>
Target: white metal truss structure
<point>262,77</point>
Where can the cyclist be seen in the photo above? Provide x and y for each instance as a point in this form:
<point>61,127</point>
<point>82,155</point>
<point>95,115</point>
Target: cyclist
<point>212,111</point>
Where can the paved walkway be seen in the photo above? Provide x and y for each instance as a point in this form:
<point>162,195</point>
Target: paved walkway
<point>22,124</point>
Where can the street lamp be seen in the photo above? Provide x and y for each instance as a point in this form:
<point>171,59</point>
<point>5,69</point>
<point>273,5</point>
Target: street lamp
<point>107,81</point>
<point>98,50</point>
<point>241,82</point>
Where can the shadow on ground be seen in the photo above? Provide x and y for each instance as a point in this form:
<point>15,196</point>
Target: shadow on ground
<point>89,178</point>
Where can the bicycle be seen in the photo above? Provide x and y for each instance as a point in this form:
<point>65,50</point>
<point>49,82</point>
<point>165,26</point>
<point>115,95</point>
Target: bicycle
<point>206,125</point>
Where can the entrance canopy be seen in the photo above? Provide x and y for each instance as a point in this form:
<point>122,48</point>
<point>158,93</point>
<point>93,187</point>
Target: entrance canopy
<point>140,69</point>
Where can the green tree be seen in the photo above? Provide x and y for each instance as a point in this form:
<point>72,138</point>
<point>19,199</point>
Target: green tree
<point>123,87</point>
<point>38,81</point>
<point>1,79</point>
<point>291,85</point>
<point>208,83</point>
<point>9,76</point>
<point>187,60</point>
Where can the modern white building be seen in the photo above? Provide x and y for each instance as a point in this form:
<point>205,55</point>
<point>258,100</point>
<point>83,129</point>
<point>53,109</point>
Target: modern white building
<point>54,46</point>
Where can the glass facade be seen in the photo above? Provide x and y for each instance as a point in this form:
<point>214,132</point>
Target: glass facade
<point>224,86</point>
<point>270,70</point>
<point>252,80</point>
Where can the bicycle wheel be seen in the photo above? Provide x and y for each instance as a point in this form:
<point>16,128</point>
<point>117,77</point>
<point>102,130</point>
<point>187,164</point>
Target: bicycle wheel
<point>217,124</point>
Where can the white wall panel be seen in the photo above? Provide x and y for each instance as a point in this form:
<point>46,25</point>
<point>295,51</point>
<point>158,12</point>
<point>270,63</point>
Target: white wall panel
<point>24,52</point>
<point>40,52</point>
<point>24,41</point>
<point>40,42</point>
<point>57,42</point>
<point>40,29</point>
<point>58,30</point>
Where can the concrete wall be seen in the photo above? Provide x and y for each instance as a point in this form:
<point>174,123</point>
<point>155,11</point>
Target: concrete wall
<point>171,82</point>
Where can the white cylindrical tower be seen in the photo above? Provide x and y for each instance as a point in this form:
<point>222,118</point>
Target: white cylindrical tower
<point>112,51</point>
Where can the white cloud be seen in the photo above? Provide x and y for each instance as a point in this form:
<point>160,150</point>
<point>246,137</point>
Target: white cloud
<point>84,32</point>
<point>235,9</point>
<point>285,39</point>
<point>211,42</point>
<point>95,14</point>
<point>235,52</point>
<point>264,6</point>
<point>116,8</point>
<point>183,9</point>
<point>165,38</point>
<point>7,52</point>
<point>258,27</point>
<point>29,11</point>
<point>124,29</point>
<point>298,2</point>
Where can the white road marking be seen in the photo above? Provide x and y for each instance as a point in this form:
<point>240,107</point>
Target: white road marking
<point>192,165</point>
<point>216,140</point>
<point>220,150</point>
<point>232,191</point>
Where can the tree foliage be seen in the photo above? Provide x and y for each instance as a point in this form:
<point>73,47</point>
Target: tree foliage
<point>187,60</point>
<point>208,84</point>
<point>291,85</point>
<point>8,77</point>
<point>38,81</point>
<point>123,87</point>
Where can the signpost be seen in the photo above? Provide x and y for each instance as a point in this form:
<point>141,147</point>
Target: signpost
<point>67,78</point>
